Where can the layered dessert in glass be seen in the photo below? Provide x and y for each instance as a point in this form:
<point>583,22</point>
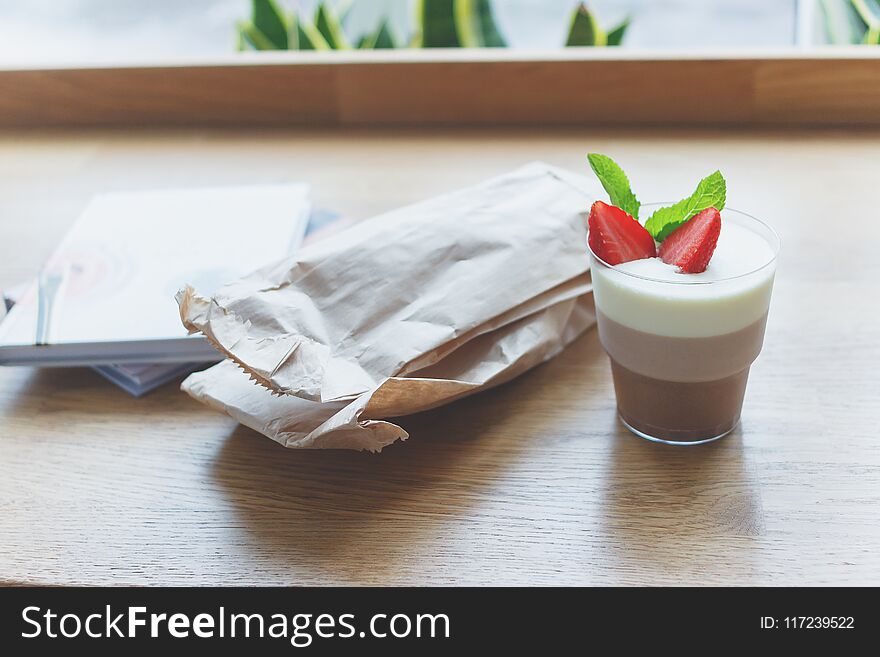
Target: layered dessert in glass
<point>682,319</point>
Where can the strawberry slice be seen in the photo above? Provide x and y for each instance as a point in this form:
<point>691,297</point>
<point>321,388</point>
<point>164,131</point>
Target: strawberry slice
<point>691,245</point>
<point>616,237</point>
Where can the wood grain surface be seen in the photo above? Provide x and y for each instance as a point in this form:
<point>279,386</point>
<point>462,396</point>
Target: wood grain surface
<point>822,86</point>
<point>532,483</point>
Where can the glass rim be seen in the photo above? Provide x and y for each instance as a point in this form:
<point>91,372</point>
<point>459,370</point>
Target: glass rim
<point>774,247</point>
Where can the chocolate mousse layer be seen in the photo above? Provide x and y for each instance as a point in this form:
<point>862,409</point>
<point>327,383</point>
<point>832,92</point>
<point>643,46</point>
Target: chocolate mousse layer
<point>680,389</point>
<point>681,412</point>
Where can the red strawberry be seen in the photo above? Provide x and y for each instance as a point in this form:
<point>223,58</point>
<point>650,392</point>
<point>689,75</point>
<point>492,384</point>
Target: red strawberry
<point>616,237</point>
<point>691,245</point>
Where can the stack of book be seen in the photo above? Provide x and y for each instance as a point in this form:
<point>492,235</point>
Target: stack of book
<point>105,298</point>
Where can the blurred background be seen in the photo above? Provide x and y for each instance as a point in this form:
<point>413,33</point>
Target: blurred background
<point>70,31</point>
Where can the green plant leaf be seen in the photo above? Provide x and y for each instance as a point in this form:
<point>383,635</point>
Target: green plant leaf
<point>327,23</point>
<point>869,12</point>
<point>241,43</point>
<point>585,30</point>
<point>475,24</point>
<point>381,39</point>
<point>305,36</point>
<point>710,193</point>
<point>250,36</point>
<point>843,23</point>
<point>615,182</point>
<point>384,39</point>
<point>615,35</point>
<point>268,19</point>
<point>436,20</point>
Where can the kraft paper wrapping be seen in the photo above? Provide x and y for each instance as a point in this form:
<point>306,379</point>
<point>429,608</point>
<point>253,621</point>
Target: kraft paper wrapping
<point>401,313</point>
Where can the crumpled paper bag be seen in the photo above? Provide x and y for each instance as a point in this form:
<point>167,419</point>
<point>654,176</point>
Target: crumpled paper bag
<point>401,313</point>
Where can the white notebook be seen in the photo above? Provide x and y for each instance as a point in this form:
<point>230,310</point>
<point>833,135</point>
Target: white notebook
<point>107,293</point>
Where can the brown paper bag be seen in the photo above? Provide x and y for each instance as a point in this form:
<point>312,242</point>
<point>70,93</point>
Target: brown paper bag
<point>401,313</point>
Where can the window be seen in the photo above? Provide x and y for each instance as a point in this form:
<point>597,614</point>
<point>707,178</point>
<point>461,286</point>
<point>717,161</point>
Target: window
<point>718,61</point>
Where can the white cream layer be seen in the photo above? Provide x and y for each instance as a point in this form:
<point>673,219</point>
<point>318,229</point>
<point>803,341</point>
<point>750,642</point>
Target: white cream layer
<point>732,293</point>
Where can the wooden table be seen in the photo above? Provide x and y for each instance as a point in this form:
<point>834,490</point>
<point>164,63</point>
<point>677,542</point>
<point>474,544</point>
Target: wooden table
<point>100,488</point>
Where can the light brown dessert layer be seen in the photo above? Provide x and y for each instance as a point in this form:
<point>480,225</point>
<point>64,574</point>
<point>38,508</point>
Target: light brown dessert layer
<point>682,360</point>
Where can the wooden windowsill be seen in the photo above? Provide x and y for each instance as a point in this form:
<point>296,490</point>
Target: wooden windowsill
<point>589,86</point>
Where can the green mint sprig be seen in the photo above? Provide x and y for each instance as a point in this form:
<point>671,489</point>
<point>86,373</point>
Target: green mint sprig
<point>710,193</point>
<point>615,182</point>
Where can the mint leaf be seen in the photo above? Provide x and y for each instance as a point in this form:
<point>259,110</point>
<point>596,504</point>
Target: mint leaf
<point>710,193</point>
<point>615,182</point>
